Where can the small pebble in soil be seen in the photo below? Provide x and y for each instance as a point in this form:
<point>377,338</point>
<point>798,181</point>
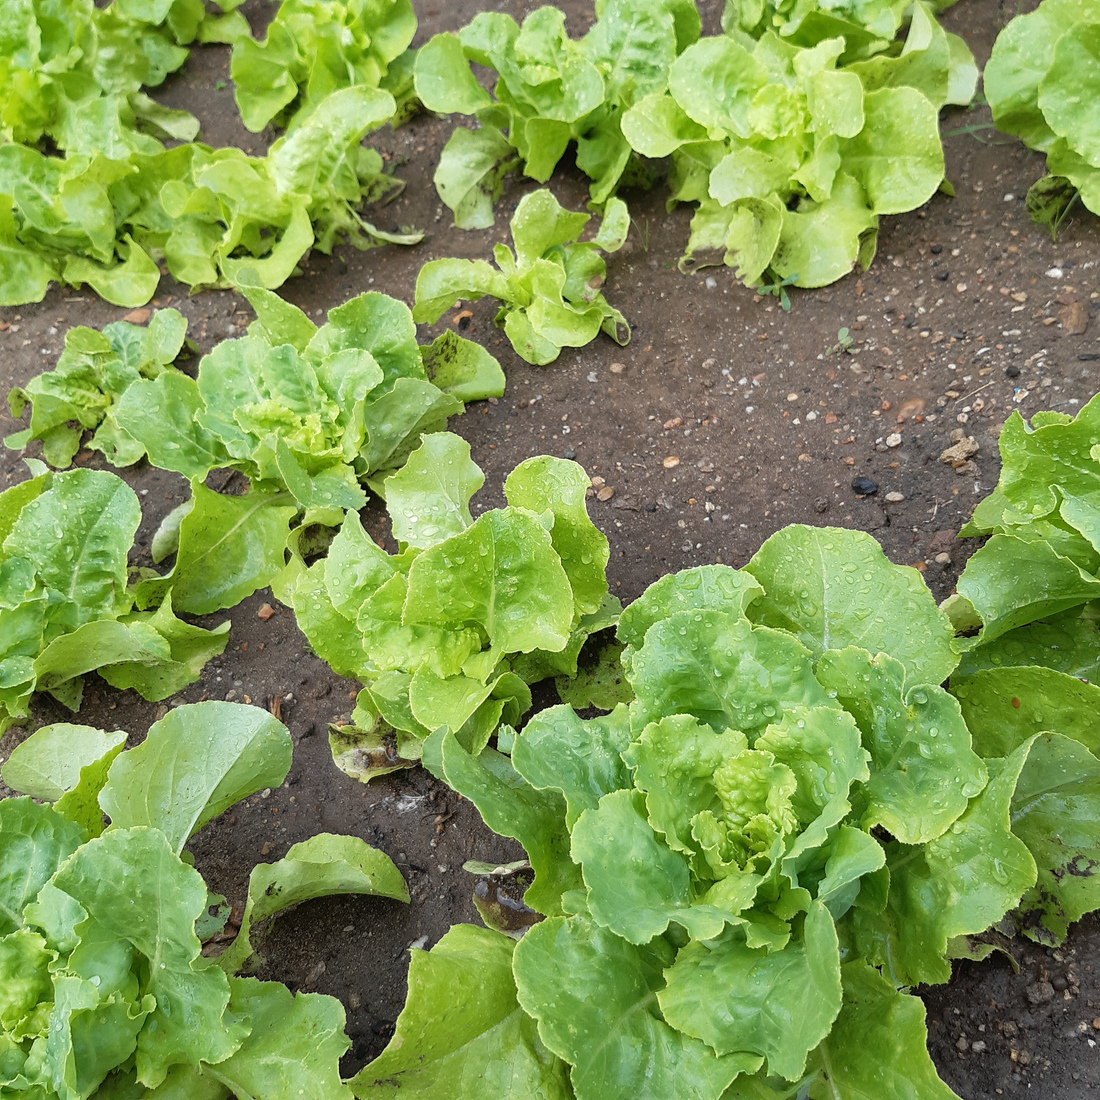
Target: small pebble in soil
<point>569,454</point>
<point>893,440</point>
<point>936,249</point>
<point>864,486</point>
<point>618,368</point>
<point>1012,371</point>
<point>670,462</point>
<point>895,497</point>
<point>1040,992</point>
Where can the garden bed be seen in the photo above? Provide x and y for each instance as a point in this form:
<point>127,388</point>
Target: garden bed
<point>968,312</point>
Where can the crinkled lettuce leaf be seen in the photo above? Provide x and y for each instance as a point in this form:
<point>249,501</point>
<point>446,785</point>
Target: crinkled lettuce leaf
<point>548,288</point>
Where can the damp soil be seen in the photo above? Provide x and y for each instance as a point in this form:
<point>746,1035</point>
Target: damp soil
<point>968,312</point>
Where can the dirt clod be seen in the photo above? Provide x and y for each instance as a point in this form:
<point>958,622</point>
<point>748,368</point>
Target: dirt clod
<point>961,449</point>
<point>1039,992</point>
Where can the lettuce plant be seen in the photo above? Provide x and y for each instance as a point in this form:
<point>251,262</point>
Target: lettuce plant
<point>307,414</point>
<point>92,373</point>
<point>106,989</point>
<point>868,26</point>
<point>1033,664</point>
<point>550,91</point>
<point>64,606</point>
<point>312,48</point>
<point>214,217</point>
<point>73,72</point>
<point>1040,81</point>
<point>743,870</point>
<point>549,288</point>
<point>449,632</point>
<point>794,157</point>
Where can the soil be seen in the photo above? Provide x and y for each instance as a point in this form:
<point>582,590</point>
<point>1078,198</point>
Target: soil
<point>965,315</point>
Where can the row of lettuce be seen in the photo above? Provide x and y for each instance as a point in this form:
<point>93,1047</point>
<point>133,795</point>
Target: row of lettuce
<point>116,206</point>
<point>308,416</point>
<point>783,820</point>
<point>792,131</point>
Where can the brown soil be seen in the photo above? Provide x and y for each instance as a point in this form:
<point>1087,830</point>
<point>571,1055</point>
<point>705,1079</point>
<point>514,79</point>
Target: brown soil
<point>770,429</point>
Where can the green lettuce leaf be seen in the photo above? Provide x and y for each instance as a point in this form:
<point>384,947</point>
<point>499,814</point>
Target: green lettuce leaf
<point>833,588</point>
<point>512,807</point>
<point>582,760</point>
<point>1042,68</point>
<point>743,1000</point>
<point>34,841</point>
<point>550,91</point>
<point>1056,583</point>
<point>227,751</point>
<point>515,589</point>
<point>549,288</point>
<point>462,1032</point>
<point>923,769</point>
<point>591,994</point>
<point>66,765</point>
<point>636,884</point>
<point>722,670</point>
<point>958,884</point>
<point>64,605</point>
<point>716,587</point>
<point>228,548</point>
<point>429,497</point>
<point>135,889</point>
<point>875,1016</point>
<point>1003,707</point>
<point>312,49</point>
<point>1056,813</point>
<point>323,865</point>
<point>293,1048</point>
